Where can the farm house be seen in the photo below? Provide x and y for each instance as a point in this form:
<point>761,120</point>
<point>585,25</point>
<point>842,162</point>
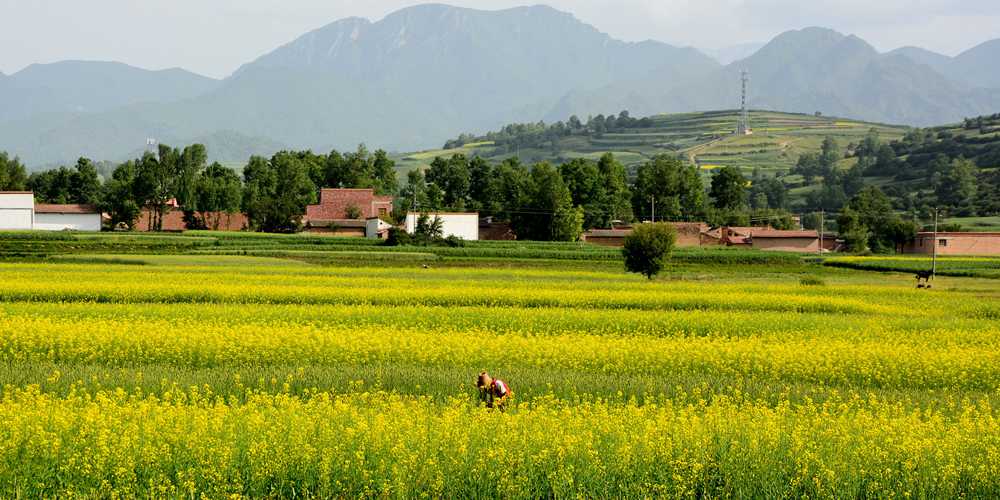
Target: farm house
<point>950,243</point>
<point>18,211</point>
<point>50,217</point>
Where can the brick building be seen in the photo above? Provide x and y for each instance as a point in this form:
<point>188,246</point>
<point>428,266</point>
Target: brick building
<point>784,241</point>
<point>334,205</point>
<point>949,243</point>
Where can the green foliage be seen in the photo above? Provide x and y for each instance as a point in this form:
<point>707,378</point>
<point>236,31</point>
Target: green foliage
<point>120,199</point>
<point>218,191</point>
<point>13,175</point>
<point>852,230</point>
<point>62,185</point>
<point>600,189</point>
<point>957,186</point>
<point>352,212</point>
<point>360,169</point>
<point>811,281</point>
<point>768,192</point>
<point>453,177</point>
<point>675,187</point>
<point>276,192</point>
<point>728,189</point>
<point>869,222</point>
<point>427,233</point>
<point>648,247</point>
<point>546,211</point>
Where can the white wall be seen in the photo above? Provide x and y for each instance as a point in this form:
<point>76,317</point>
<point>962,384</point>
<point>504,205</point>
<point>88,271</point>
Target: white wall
<point>465,226</point>
<point>60,222</point>
<point>374,226</point>
<point>16,210</point>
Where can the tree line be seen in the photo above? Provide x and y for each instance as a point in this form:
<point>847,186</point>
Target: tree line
<point>541,201</point>
<point>272,192</point>
<point>549,202</point>
<point>540,134</point>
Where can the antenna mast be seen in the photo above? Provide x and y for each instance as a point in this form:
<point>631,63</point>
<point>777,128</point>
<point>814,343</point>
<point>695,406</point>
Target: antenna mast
<point>743,125</point>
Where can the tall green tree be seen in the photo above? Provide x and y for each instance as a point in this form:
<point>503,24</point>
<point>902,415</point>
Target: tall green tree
<point>583,179</point>
<point>550,215</point>
<point>729,189</point>
<point>482,196</point>
<point>276,192</point>
<point>673,185</point>
<point>13,174</point>
<point>218,193</point>
<point>957,187</point>
<point>413,196</point>
<point>830,155</point>
<point>154,183</point>
<point>52,186</point>
<point>768,192</point>
<point>85,183</point>
<point>119,197</point>
<point>188,165</point>
<point>617,199</point>
<point>452,175</point>
<point>512,187</point>
<point>383,173</point>
<point>870,213</point>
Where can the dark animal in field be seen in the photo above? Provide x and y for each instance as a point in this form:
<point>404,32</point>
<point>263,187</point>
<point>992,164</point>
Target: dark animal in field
<point>924,279</point>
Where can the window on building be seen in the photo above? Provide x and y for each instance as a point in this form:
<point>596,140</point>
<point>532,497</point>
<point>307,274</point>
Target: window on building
<point>382,212</point>
<point>943,243</point>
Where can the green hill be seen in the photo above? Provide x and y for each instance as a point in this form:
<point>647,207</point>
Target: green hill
<point>706,139</point>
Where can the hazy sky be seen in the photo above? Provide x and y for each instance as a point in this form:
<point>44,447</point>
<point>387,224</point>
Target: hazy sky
<point>214,37</point>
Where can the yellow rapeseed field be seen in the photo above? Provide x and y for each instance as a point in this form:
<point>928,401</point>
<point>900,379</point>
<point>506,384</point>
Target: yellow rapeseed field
<point>220,380</point>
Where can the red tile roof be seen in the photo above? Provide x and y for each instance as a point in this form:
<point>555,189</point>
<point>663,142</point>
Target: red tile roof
<point>44,208</point>
<point>333,204</point>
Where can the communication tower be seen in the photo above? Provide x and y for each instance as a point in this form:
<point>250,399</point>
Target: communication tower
<point>743,125</point>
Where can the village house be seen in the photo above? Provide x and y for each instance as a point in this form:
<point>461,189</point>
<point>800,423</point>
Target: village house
<point>784,241</point>
<point>52,217</point>
<point>18,211</point>
<point>349,213</point>
<point>952,243</point>
<point>338,204</point>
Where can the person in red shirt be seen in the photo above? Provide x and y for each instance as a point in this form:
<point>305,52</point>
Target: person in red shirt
<point>494,392</point>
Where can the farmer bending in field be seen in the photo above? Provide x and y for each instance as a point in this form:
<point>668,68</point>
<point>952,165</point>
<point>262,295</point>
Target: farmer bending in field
<point>493,392</point>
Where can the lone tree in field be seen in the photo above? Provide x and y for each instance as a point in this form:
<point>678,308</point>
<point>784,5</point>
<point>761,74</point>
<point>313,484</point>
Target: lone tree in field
<point>648,247</point>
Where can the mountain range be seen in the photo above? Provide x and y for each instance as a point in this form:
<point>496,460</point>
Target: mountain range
<point>427,73</point>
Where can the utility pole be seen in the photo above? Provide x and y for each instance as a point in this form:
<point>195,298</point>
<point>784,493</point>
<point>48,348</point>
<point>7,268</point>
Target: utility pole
<point>822,223</point>
<point>934,257</point>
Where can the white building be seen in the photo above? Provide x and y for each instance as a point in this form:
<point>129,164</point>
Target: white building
<point>462,225</point>
<point>17,210</point>
<point>376,228</point>
<point>67,218</point>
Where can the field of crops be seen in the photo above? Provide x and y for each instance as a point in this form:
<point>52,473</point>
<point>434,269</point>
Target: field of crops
<point>191,375</point>
<point>981,267</point>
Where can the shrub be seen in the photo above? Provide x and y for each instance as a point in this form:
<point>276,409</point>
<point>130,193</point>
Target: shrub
<point>352,212</point>
<point>811,281</point>
<point>648,247</point>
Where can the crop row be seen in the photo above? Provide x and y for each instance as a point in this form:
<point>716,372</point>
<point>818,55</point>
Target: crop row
<point>375,444</point>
